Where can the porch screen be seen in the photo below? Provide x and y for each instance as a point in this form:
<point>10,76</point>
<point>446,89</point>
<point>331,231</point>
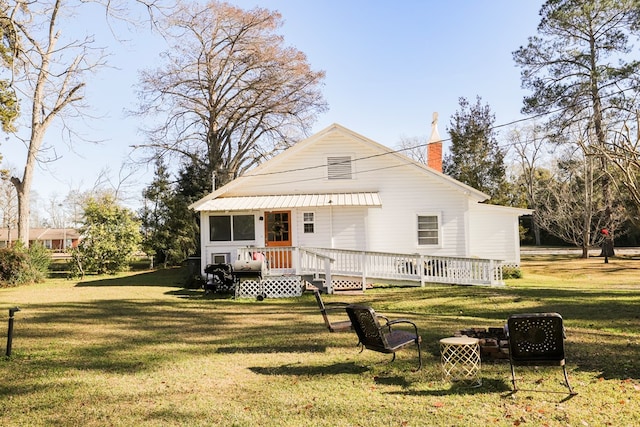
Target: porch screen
<point>226,228</point>
<point>428,230</point>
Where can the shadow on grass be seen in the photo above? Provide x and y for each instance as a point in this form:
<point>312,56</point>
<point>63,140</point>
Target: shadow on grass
<point>197,294</point>
<point>170,277</point>
<point>489,386</point>
<point>268,349</point>
<point>138,334</point>
<point>395,380</point>
<point>306,370</point>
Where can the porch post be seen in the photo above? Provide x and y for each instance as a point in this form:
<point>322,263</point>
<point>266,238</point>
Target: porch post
<point>421,271</point>
<point>327,275</point>
<point>364,271</point>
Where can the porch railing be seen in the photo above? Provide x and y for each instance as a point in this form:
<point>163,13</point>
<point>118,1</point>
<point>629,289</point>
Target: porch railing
<point>324,262</point>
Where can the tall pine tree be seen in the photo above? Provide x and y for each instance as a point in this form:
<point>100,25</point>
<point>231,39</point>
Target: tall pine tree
<point>582,70</point>
<point>475,157</point>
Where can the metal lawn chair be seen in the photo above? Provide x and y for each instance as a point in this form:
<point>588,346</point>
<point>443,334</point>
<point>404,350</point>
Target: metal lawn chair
<point>536,339</point>
<point>332,307</point>
<point>382,338</point>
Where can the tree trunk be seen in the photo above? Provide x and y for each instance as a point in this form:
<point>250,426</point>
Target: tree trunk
<point>23,211</point>
<point>536,232</point>
<point>585,244</point>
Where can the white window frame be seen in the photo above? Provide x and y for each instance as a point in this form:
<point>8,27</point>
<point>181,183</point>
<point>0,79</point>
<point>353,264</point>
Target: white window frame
<point>232,219</point>
<point>438,229</point>
<point>312,222</point>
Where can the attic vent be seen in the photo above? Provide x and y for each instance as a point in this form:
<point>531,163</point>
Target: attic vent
<point>339,167</point>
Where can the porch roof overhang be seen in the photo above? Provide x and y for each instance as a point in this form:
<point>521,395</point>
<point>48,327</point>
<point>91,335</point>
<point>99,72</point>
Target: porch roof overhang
<point>290,201</point>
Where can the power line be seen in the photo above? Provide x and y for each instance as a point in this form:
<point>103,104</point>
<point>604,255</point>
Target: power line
<point>400,150</point>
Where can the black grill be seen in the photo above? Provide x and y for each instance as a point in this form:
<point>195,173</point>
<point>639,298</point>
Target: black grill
<point>224,277</point>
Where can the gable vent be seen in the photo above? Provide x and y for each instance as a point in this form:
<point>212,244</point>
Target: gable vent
<point>339,167</point>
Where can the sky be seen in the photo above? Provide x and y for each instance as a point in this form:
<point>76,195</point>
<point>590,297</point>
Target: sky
<point>389,65</point>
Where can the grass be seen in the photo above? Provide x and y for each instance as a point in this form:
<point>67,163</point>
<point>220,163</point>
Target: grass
<point>139,349</point>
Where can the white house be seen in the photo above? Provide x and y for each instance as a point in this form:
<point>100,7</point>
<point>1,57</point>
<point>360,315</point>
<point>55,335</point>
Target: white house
<point>339,192</point>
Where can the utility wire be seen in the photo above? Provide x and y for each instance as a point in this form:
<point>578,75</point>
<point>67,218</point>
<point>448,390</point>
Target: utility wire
<point>400,150</point>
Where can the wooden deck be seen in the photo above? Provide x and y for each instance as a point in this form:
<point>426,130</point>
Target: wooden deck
<point>335,269</point>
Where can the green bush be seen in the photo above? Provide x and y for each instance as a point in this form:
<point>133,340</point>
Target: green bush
<point>12,265</point>
<point>20,266</point>
<point>111,235</point>
<point>511,273</point>
<point>39,261</point>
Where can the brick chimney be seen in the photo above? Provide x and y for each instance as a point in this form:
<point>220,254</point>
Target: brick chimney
<point>434,146</point>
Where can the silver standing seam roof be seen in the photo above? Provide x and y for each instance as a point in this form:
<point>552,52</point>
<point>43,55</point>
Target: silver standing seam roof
<point>290,201</point>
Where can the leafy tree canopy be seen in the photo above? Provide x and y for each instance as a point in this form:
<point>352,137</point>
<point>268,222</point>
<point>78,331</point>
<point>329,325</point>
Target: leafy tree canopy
<point>475,157</point>
<point>581,64</point>
<point>111,236</point>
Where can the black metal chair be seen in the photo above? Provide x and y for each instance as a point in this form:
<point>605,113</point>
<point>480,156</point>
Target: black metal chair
<point>325,309</point>
<point>536,339</point>
<point>382,338</point>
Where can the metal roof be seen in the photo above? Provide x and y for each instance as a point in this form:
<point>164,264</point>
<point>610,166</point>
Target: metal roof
<point>290,201</point>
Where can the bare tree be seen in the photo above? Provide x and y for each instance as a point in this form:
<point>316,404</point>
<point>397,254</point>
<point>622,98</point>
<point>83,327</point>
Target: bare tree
<point>229,93</point>
<point>414,148</point>
<point>624,154</point>
<point>528,144</point>
<point>569,203</point>
<point>581,68</point>
<point>48,72</point>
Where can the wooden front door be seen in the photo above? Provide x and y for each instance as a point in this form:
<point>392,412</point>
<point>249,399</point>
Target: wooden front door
<point>277,231</point>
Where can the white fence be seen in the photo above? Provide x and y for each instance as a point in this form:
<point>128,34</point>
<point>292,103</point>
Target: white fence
<point>323,263</point>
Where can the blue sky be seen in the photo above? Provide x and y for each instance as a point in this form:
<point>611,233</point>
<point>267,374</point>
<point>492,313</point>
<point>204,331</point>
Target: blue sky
<point>389,66</point>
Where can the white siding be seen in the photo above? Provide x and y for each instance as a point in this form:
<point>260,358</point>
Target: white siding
<point>321,236</point>
<point>405,195</point>
<point>494,234</point>
<point>307,172</point>
<point>347,225</point>
<point>406,190</point>
<point>210,248</point>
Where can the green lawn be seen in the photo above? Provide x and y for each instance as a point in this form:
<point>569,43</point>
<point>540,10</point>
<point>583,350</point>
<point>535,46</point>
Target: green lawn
<point>138,349</point>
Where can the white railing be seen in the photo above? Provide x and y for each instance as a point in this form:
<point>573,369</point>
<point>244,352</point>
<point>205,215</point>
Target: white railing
<point>419,268</point>
<point>276,260</point>
<point>324,262</point>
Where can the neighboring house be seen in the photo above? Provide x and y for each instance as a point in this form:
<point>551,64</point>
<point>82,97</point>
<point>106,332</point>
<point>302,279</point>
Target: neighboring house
<point>339,191</point>
<point>56,239</point>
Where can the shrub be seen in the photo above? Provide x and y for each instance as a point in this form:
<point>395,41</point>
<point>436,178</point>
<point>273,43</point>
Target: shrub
<point>12,265</point>
<point>511,273</point>
<point>20,266</point>
<point>39,261</point>
<point>111,236</point>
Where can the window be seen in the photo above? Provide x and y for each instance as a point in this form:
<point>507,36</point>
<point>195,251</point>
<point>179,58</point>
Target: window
<point>428,230</point>
<point>220,228</point>
<point>220,258</point>
<point>308,222</point>
<point>244,227</point>
<point>227,228</point>
<point>339,167</point>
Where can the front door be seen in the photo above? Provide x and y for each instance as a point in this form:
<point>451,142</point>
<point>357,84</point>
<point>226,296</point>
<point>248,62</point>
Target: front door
<point>277,231</point>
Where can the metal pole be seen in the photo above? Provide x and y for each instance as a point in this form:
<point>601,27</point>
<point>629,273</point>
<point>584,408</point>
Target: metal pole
<point>10,332</point>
